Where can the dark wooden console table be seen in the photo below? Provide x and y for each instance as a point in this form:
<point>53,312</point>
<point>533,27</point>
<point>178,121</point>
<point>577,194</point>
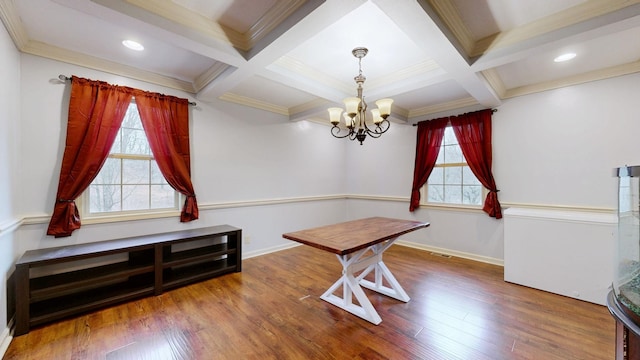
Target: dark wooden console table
<point>55,283</point>
<point>359,246</point>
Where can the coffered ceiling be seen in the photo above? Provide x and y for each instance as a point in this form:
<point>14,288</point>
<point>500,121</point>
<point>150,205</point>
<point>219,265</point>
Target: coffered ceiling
<point>293,57</point>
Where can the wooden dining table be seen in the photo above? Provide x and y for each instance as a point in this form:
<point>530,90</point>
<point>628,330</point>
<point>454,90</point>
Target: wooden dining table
<point>359,246</point>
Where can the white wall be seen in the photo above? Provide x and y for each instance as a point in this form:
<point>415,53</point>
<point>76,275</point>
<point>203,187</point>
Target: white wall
<point>560,147</point>
<point>239,155</point>
<point>9,167</point>
<point>552,149</point>
<point>10,125</point>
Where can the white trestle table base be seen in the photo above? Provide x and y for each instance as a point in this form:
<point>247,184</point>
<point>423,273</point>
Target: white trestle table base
<point>359,246</point>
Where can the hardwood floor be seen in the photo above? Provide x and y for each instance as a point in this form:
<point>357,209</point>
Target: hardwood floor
<point>459,309</point>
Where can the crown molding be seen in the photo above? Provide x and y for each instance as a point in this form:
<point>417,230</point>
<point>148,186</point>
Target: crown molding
<point>13,24</point>
<point>494,80</point>
<point>402,74</point>
<point>211,28</point>
<point>451,105</point>
<point>590,9</point>
<point>271,19</point>
<point>192,20</point>
<point>602,74</point>
<point>209,75</point>
<point>53,52</point>
<point>247,101</point>
<point>297,67</point>
<point>311,105</point>
<point>568,17</point>
<point>399,115</point>
<point>451,17</point>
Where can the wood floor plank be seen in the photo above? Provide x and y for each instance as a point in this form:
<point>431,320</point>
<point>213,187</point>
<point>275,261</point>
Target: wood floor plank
<point>459,309</point>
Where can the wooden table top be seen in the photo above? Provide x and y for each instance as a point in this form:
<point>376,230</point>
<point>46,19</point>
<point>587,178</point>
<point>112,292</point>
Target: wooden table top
<point>350,236</point>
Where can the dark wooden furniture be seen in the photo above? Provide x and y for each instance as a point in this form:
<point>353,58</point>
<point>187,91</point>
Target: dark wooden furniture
<point>54,283</point>
<point>627,330</point>
<point>359,246</point>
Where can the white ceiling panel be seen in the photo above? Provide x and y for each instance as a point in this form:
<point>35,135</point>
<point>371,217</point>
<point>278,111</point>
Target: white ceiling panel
<point>278,94</point>
<point>484,18</point>
<point>595,54</point>
<point>293,57</point>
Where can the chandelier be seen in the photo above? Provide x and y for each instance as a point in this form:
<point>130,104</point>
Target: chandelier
<point>355,118</point>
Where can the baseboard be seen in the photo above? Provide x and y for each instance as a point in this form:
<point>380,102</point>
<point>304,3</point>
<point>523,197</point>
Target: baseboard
<point>460,254</point>
<point>247,255</point>
<point>5,340</point>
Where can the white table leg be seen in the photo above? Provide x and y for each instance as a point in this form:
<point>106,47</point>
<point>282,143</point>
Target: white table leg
<point>351,284</point>
<point>381,271</point>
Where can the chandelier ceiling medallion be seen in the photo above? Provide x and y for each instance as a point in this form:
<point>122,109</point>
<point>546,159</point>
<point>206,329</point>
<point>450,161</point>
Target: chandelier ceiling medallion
<point>355,118</point>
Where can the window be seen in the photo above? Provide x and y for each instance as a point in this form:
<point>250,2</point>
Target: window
<point>130,179</point>
<point>452,181</point>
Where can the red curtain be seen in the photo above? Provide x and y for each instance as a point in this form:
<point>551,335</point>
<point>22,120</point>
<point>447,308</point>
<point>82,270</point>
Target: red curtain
<point>96,110</point>
<point>473,131</point>
<point>166,122</point>
<point>428,143</point>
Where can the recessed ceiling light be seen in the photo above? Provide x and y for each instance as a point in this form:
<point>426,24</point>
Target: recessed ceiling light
<point>565,57</point>
<point>133,45</point>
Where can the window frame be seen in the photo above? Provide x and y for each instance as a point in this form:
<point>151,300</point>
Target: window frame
<point>98,217</point>
<point>424,195</point>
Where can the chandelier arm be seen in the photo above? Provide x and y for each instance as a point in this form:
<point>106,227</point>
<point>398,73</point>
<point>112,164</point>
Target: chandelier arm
<point>337,133</point>
<point>373,134</point>
<point>380,128</point>
<point>383,129</point>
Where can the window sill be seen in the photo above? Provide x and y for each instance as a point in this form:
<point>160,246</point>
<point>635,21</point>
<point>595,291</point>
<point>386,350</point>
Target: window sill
<point>103,219</point>
<point>452,207</point>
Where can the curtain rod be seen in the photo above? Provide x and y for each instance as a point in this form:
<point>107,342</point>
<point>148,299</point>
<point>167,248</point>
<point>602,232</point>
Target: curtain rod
<point>66,78</point>
<point>492,110</point>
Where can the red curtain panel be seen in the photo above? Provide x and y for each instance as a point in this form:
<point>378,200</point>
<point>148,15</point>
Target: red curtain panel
<point>166,122</point>
<point>96,110</point>
<point>428,143</point>
<point>473,131</point>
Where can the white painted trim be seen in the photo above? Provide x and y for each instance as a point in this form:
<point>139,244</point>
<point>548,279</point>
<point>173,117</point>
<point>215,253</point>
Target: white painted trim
<point>581,217</point>
<point>72,57</point>
<point>44,218</point>
<point>460,254</point>
<point>506,205</point>
<point>297,67</point>
<point>270,250</point>
<point>11,19</point>
<point>254,103</point>
<point>446,106</point>
<point>249,203</point>
<point>11,225</point>
<point>572,16</point>
<point>596,75</point>
<point>449,14</point>
<point>5,340</point>
<point>378,198</point>
<point>208,76</point>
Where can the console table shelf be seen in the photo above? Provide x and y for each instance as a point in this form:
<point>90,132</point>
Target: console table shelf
<point>55,283</point>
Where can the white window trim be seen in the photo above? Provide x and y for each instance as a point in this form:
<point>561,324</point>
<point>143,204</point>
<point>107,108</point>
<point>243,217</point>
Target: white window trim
<point>424,193</point>
<point>450,206</point>
<point>82,203</point>
<point>106,217</point>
